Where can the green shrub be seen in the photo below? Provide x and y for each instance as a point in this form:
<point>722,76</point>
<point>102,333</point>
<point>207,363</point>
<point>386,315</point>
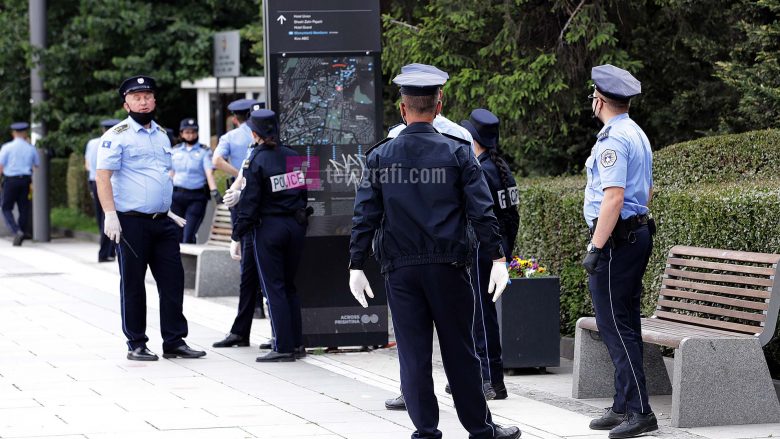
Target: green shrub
<point>71,219</point>
<point>79,197</point>
<point>58,195</point>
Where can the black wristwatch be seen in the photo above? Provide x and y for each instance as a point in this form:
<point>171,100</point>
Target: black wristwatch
<point>592,248</point>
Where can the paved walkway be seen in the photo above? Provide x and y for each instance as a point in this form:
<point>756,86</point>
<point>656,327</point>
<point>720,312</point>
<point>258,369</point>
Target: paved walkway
<point>63,373</point>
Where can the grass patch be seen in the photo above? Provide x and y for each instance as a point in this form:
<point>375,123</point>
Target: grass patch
<point>72,219</point>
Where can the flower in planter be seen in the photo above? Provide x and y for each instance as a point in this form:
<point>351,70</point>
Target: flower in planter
<point>520,267</point>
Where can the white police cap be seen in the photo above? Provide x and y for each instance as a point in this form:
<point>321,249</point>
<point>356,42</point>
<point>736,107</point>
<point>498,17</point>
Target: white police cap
<point>420,79</point>
<point>615,83</point>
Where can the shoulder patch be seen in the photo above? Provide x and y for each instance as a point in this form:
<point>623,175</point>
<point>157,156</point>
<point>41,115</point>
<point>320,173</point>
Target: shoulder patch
<point>120,128</point>
<point>378,144</point>
<point>604,134</point>
<point>463,141</point>
<point>608,158</point>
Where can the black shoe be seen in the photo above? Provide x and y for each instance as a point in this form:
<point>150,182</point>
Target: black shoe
<point>500,389</point>
<point>231,340</point>
<point>507,432</point>
<point>267,345</point>
<point>635,424</point>
<point>397,403</point>
<point>276,357</point>
<point>300,352</point>
<point>183,351</point>
<point>141,354</point>
<point>259,313</point>
<point>447,389</point>
<point>487,390</point>
<point>18,239</point>
<point>108,259</point>
<point>609,420</point>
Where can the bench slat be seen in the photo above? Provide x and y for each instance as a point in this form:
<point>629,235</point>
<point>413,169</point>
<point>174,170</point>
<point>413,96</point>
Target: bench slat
<point>708,322</point>
<point>666,292</point>
<point>733,291</point>
<point>734,268</point>
<point>672,327</point>
<point>725,278</point>
<point>716,311</point>
<point>762,258</point>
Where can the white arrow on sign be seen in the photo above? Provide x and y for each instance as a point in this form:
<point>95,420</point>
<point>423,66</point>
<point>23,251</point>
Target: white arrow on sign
<point>281,19</point>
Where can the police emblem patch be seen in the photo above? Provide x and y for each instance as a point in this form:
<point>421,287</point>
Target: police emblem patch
<point>608,158</point>
<point>106,144</point>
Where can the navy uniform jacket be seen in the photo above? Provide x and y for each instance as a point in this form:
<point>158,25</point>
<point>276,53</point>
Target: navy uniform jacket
<point>420,193</point>
<point>271,188</point>
<point>505,200</point>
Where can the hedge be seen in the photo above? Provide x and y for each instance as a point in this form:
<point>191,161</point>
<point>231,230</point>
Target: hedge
<point>58,195</point>
<point>734,205</point>
<point>79,198</point>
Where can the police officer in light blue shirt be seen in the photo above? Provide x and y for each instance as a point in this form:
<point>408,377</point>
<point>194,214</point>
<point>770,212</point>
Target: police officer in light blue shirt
<point>106,253</point>
<point>17,160</point>
<point>135,187</point>
<point>193,179</point>
<point>233,146</point>
<point>617,195</point>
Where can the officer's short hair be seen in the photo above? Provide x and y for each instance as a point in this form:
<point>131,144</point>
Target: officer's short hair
<point>421,104</point>
<point>616,104</point>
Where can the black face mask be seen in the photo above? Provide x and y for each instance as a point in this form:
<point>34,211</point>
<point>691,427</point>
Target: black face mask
<point>142,118</point>
<point>191,142</point>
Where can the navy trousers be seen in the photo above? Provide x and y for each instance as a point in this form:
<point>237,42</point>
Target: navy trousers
<point>277,246</point>
<point>248,290</point>
<point>152,243</point>
<point>616,289</point>
<point>190,205</point>
<point>421,296</point>
<point>16,190</point>
<point>106,245</point>
<point>486,332</point>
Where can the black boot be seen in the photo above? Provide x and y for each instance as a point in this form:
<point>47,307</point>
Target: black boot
<point>500,389</point>
<point>396,403</point>
<point>231,340</point>
<point>507,432</point>
<point>635,424</point>
<point>276,357</point>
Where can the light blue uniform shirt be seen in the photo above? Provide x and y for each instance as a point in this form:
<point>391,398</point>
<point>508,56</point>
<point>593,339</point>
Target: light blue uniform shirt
<point>18,158</point>
<point>141,161</point>
<point>234,145</point>
<point>190,166</point>
<point>90,153</point>
<point>622,158</point>
<point>442,125</point>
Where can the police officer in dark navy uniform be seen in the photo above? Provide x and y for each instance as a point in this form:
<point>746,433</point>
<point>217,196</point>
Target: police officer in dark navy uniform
<point>135,187</point>
<point>17,160</point>
<point>268,237</point>
<point>419,226</point>
<point>617,195</point>
<point>107,252</point>
<point>483,126</point>
<point>193,180</point>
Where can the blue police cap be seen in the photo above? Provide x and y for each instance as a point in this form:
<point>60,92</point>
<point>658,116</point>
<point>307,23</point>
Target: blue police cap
<point>263,123</point>
<point>615,83</point>
<point>20,126</point>
<point>188,124</point>
<point>420,79</point>
<point>108,123</point>
<point>137,83</point>
<point>241,105</point>
<point>483,126</point>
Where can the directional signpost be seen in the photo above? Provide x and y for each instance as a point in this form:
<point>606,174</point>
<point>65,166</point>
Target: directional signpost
<point>324,81</point>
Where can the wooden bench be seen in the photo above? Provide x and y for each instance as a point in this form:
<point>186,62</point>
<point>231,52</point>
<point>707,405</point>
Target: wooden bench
<point>716,309</point>
<point>208,268</point>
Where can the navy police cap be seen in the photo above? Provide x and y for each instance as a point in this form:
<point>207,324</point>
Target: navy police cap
<point>188,124</point>
<point>615,83</point>
<point>263,123</point>
<point>483,126</point>
<point>136,84</point>
<point>108,123</point>
<point>20,126</point>
<point>241,105</point>
<point>420,79</point>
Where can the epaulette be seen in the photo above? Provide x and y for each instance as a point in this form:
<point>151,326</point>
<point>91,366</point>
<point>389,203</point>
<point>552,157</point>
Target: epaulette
<point>461,140</point>
<point>604,134</point>
<point>119,129</point>
<point>381,142</point>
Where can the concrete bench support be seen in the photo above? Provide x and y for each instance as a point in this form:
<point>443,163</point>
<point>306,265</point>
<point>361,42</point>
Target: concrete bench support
<point>210,271</point>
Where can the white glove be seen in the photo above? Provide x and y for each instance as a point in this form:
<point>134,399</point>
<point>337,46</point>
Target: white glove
<point>231,197</point>
<point>358,283</point>
<point>181,222</point>
<point>499,277</point>
<point>111,226</point>
<point>235,250</point>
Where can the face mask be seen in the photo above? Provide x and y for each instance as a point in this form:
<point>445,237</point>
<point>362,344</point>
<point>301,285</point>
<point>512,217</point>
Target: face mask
<point>142,118</point>
<point>191,142</point>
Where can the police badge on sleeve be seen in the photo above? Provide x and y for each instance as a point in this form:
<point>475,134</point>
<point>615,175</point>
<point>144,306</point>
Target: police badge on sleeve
<point>608,158</point>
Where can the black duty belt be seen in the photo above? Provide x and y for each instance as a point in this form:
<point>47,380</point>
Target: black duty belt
<point>158,215</point>
<point>625,225</point>
<point>195,191</point>
<point>17,177</point>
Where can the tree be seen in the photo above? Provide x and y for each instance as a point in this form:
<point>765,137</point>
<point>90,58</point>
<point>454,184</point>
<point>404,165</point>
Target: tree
<point>14,65</point>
